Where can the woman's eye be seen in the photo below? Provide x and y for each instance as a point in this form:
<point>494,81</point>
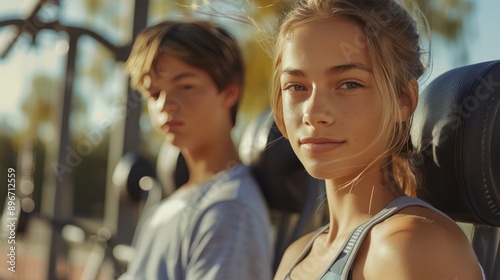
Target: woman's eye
<point>350,85</point>
<point>295,88</point>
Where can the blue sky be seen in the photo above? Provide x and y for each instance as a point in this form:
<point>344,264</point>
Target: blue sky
<point>483,44</point>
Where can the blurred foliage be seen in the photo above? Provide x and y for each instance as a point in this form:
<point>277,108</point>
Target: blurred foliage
<point>447,19</point>
<point>90,179</point>
<point>111,18</point>
<point>100,69</point>
<point>40,106</point>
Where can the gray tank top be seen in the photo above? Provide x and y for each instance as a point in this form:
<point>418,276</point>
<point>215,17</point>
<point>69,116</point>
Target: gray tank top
<point>341,267</point>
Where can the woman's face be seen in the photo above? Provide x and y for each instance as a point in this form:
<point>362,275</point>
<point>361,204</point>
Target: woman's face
<point>184,103</point>
<point>332,108</point>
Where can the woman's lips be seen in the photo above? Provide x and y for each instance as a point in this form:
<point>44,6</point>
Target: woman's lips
<point>320,144</point>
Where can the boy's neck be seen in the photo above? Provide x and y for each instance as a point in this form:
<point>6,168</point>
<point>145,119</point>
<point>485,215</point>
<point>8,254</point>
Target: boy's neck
<point>205,162</point>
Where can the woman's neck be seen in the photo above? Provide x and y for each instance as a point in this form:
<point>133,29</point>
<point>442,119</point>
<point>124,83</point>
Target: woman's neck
<point>353,203</point>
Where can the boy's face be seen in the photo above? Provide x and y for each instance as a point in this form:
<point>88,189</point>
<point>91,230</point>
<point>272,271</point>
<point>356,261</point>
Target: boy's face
<point>184,103</point>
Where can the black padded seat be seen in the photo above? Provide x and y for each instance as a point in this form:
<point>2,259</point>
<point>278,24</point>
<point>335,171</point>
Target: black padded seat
<point>456,132</point>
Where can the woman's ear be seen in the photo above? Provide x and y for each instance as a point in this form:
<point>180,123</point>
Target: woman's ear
<point>231,95</point>
<point>408,101</point>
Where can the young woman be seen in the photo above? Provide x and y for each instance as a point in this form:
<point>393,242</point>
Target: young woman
<point>215,226</point>
<point>345,89</point>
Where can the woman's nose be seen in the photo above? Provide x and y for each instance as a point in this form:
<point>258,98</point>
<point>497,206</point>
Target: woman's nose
<point>318,109</point>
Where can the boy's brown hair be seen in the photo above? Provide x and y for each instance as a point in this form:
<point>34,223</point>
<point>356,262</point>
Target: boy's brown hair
<point>201,44</point>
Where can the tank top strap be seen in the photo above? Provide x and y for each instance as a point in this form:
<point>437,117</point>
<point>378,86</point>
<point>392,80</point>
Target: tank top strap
<point>341,267</point>
<point>306,249</point>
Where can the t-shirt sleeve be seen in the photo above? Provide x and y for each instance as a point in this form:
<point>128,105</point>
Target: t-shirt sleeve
<point>228,242</point>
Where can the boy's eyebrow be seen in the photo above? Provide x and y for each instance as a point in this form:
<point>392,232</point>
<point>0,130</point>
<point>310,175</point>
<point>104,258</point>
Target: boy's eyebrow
<point>333,69</point>
<point>183,75</point>
<point>180,75</point>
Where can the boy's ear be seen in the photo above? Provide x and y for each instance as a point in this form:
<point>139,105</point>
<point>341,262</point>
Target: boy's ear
<point>408,101</point>
<point>231,95</point>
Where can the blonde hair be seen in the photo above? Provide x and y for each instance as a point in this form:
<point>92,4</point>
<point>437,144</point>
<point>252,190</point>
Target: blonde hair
<point>201,44</point>
<point>393,43</point>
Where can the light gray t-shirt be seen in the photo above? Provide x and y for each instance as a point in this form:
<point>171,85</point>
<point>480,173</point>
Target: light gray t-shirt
<point>218,230</point>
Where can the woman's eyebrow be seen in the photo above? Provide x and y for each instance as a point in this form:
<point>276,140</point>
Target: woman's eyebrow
<point>293,72</point>
<point>334,69</point>
<point>350,66</point>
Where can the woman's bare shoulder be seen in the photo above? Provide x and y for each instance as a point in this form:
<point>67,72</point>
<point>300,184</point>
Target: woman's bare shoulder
<point>420,243</point>
<point>291,254</point>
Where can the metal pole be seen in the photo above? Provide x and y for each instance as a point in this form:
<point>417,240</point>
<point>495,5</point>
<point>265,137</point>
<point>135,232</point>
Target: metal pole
<point>58,189</point>
<point>62,191</point>
<point>124,138</point>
